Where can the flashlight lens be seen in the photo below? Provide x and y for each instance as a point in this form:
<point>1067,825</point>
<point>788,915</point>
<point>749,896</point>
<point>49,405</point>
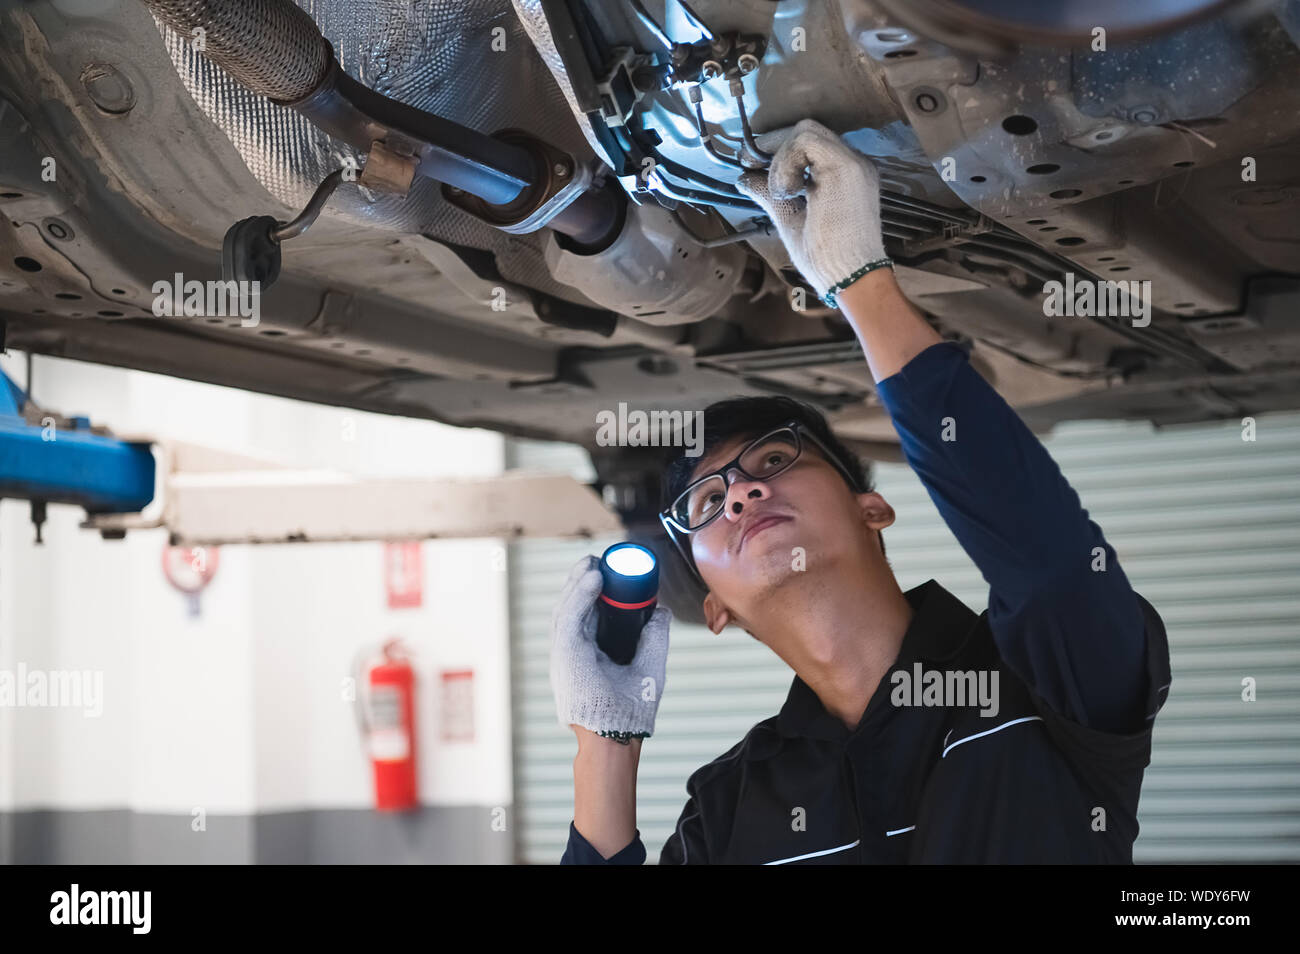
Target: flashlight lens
<point>630,561</point>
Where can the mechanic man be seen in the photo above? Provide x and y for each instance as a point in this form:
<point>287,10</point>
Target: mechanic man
<point>775,518</point>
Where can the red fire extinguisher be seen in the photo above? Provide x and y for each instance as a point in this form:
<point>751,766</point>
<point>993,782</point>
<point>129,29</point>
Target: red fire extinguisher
<point>388,728</point>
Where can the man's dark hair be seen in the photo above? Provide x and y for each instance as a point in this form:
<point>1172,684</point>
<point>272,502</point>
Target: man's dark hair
<point>748,418</point>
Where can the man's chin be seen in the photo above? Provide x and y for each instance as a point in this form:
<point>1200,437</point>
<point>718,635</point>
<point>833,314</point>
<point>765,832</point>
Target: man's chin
<point>772,562</point>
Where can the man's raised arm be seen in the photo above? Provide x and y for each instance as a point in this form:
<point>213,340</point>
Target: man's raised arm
<point>1061,609</point>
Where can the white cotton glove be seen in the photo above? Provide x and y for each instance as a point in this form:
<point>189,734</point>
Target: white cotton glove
<point>830,223</point>
<point>591,690</point>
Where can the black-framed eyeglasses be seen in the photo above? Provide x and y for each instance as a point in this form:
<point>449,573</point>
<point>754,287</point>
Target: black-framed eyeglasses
<point>764,458</point>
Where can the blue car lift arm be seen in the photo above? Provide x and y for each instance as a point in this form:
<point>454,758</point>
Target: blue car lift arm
<point>70,464</point>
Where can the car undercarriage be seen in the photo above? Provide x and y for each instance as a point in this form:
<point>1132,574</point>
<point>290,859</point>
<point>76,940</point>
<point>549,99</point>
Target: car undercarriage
<point>1021,152</point>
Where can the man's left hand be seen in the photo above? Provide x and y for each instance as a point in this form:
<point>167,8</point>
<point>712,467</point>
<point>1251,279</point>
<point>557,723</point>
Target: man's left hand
<point>824,199</point>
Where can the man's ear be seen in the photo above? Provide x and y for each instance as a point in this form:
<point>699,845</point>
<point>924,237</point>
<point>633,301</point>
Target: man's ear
<point>716,616</point>
<point>876,511</point>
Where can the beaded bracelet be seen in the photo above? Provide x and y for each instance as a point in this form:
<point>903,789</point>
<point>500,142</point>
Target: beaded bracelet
<point>829,297</point>
<point>624,738</point>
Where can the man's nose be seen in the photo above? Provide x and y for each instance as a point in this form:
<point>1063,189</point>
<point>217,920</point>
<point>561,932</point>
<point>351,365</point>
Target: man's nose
<point>740,491</point>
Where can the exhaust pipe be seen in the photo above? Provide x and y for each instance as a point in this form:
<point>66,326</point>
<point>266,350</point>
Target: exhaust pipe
<point>274,49</point>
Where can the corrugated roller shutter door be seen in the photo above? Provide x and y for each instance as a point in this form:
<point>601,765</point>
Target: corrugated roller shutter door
<point>1207,527</point>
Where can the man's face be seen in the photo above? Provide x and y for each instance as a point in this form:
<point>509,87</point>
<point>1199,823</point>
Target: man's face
<point>771,529</point>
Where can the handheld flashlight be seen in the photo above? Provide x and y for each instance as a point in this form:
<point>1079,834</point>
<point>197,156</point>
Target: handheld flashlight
<point>628,594</point>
